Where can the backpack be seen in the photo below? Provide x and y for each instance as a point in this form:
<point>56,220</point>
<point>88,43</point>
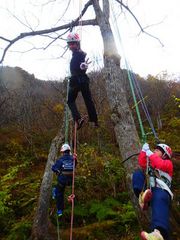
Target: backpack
<point>67,166</point>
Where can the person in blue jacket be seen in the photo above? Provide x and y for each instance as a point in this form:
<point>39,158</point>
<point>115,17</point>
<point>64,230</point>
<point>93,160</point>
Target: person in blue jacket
<point>79,81</point>
<point>63,167</point>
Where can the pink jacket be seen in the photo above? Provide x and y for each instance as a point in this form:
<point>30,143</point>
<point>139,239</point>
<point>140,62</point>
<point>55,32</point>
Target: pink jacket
<point>156,162</point>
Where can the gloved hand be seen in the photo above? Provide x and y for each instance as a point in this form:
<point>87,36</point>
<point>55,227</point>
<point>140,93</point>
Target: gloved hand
<point>145,147</point>
<point>83,66</point>
<point>149,153</point>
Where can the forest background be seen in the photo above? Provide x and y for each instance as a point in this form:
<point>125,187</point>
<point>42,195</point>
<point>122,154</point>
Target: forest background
<point>32,111</point>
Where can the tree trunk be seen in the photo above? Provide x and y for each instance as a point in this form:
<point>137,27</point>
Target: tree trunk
<point>41,220</point>
<point>124,126</point>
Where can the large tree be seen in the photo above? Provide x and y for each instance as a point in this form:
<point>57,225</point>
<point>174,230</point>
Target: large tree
<point>124,125</point>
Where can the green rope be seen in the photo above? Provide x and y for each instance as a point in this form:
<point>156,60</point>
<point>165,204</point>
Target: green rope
<point>66,138</point>
<point>130,79</point>
<point>143,135</point>
<point>67,115</point>
<point>58,227</point>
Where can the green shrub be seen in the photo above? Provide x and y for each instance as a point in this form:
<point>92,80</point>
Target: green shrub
<point>20,230</point>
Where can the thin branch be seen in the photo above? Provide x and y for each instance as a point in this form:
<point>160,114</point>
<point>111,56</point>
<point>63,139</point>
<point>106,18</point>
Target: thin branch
<point>63,13</point>
<point>19,20</point>
<point>68,26</point>
<point>41,32</point>
<point>142,29</point>
<point>5,39</point>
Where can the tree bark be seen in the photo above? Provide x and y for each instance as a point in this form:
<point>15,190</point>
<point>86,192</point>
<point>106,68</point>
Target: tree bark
<point>124,126</point>
<point>41,220</point>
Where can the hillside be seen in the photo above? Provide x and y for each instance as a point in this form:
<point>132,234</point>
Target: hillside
<point>32,111</point>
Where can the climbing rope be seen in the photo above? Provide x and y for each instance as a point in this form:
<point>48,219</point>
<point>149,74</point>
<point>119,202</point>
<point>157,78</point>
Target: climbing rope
<point>58,227</point>
<point>144,106</point>
<point>143,135</point>
<point>67,114</point>
<point>80,22</point>
<point>66,139</point>
<point>72,196</point>
<point>134,87</point>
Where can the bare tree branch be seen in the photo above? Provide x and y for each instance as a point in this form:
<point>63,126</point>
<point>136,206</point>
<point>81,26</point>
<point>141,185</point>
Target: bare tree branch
<point>68,27</point>
<point>20,21</point>
<point>64,12</point>
<point>142,29</point>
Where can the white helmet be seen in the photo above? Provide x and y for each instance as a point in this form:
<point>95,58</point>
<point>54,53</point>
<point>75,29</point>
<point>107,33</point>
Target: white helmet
<point>167,150</point>
<point>65,147</point>
<point>73,37</point>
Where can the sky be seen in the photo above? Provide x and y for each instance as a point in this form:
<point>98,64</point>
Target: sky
<point>145,54</point>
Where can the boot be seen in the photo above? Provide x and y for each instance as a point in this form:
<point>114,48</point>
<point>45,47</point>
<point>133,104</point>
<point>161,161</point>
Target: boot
<point>80,122</point>
<point>155,235</point>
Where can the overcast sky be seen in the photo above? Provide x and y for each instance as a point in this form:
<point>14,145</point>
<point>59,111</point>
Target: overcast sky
<point>144,53</point>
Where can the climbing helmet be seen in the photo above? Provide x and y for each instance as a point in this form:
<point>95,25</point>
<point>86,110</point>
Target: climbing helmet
<point>65,147</point>
<point>166,149</point>
<point>73,37</point>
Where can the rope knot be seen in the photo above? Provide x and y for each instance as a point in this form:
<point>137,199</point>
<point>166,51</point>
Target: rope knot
<point>71,198</point>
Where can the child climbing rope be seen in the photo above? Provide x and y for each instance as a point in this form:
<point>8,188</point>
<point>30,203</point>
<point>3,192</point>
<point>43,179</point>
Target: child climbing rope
<point>158,194</point>
<point>79,81</point>
<point>63,167</point>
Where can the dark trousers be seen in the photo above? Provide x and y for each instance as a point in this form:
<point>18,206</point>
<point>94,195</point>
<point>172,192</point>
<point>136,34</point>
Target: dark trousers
<point>63,181</point>
<point>160,204</point>
<point>81,84</point>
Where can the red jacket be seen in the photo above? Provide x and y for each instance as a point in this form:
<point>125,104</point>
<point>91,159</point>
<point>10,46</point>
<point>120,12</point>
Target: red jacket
<point>156,162</point>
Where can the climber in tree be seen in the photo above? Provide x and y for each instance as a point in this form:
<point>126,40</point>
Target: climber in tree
<point>79,81</point>
<point>158,194</point>
<point>63,167</point>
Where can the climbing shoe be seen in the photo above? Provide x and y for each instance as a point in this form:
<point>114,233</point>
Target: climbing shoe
<point>80,123</point>
<point>155,235</point>
<point>144,199</point>
<point>59,213</point>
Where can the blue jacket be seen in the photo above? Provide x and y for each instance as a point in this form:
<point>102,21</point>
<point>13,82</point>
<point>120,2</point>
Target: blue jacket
<point>63,164</point>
